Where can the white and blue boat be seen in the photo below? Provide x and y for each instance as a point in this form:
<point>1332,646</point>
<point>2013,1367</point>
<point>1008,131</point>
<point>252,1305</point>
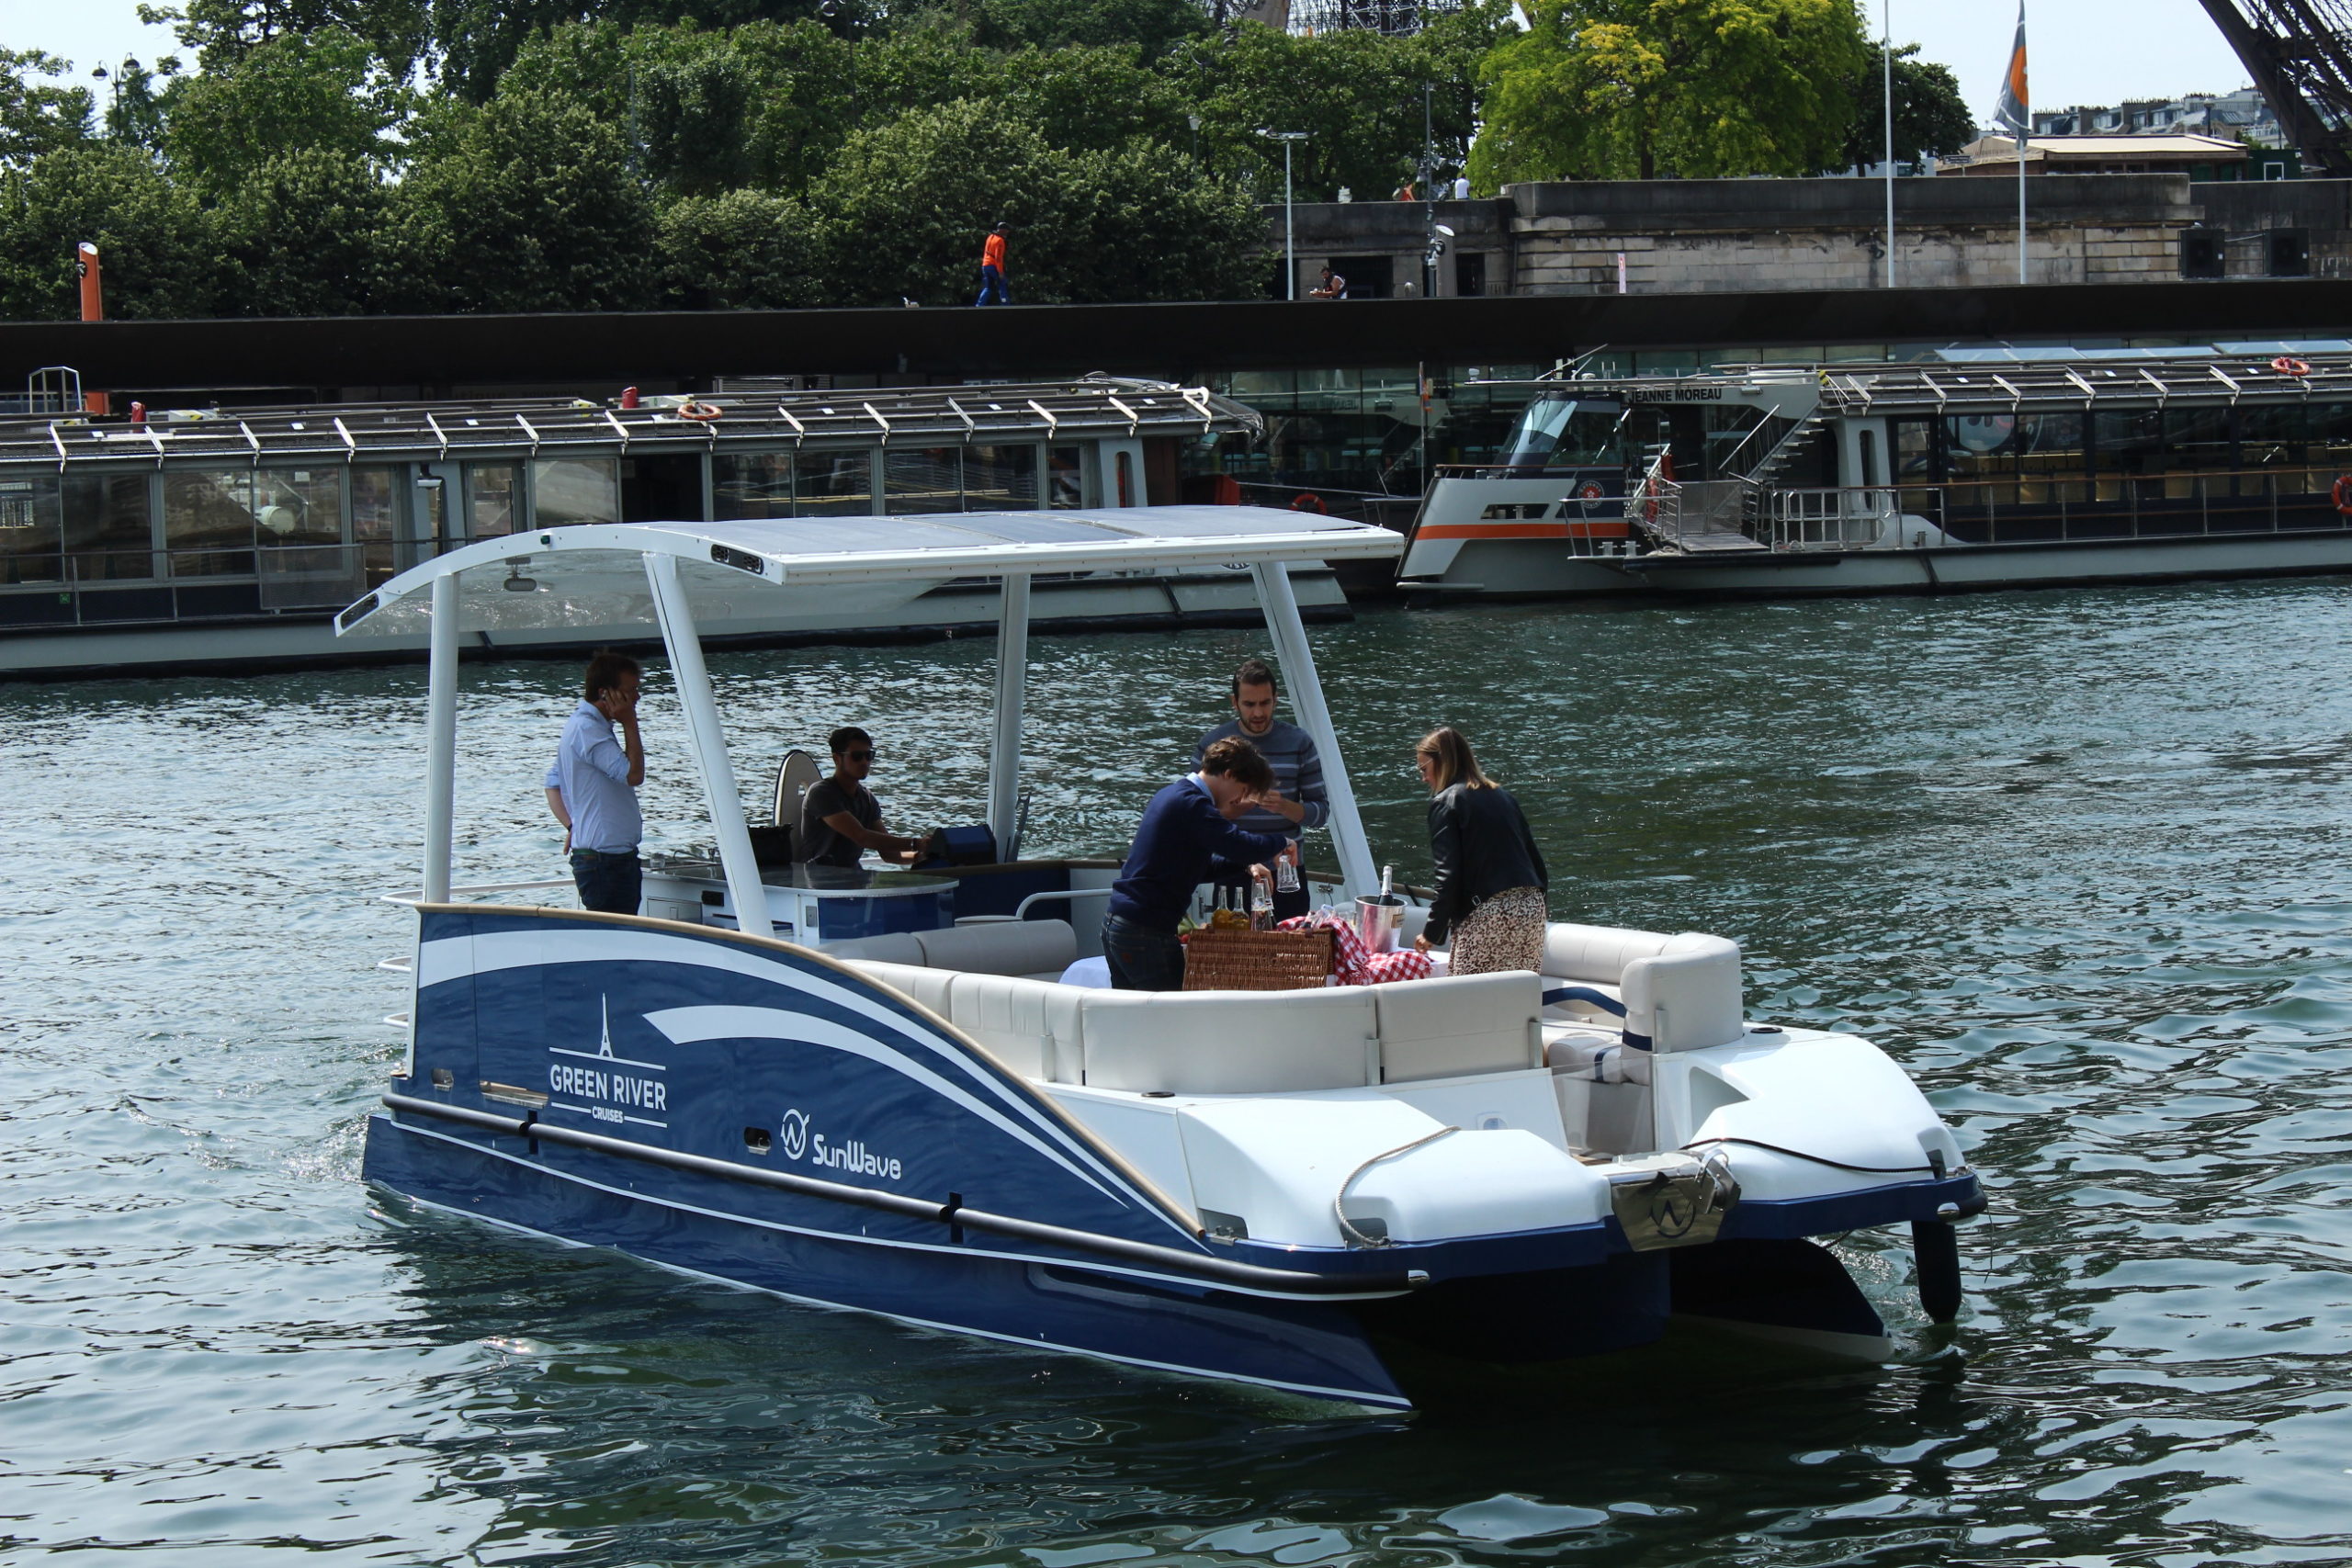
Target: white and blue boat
<point>896,1092</point>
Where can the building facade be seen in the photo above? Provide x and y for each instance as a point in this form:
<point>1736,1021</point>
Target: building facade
<point>1701,236</point>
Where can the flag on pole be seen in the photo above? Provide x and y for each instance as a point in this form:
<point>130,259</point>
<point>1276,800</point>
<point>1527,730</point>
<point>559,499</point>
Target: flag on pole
<point>2014,111</point>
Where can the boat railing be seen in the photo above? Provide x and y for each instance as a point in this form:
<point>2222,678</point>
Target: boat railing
<point>1847,517</point>
<point>2042,507</point>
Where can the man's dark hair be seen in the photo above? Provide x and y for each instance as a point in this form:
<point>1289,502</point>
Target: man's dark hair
<point>605,669</point>
<point>1240,761</point>
<point>1254,672</point>
<point>849,735</point>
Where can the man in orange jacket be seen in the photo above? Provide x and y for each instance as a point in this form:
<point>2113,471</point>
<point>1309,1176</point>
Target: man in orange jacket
<point>992,270</point>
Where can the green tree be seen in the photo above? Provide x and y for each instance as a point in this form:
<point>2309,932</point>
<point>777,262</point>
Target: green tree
<point>526,203</point>
<point>909,203</point>
<point>1098,98</point>
<point>745,250</point>
<point>222,32</point>
<point>38,116</point>
<point>1616,89</point>
<point>1155,26</point>
<point>159,246</point>
<point>1930,116</point>
<point>478,39</point>
<point>325,92</point>
<point>301,231</point>
<point>137,110</point>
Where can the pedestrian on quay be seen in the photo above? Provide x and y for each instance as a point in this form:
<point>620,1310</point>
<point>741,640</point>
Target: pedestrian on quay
<point>1491,877</point>
<point>992,291</point>
<point>591,786</point>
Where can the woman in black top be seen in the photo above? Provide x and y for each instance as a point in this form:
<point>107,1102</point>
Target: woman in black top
<point>1491,877</point>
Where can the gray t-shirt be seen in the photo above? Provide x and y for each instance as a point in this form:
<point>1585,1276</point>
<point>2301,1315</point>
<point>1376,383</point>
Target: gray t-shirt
<point>820,845</point>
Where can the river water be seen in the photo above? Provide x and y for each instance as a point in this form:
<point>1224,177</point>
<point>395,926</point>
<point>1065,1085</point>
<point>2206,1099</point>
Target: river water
<point>2075,858</point>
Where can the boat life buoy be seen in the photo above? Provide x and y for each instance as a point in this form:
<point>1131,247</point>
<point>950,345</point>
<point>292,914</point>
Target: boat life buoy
<point>701,413</point>
<point>2287,365</point>
<point>2341,493</point>
<point>1308,501</point>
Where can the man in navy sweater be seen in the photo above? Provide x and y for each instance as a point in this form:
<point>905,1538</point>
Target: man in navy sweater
<point>1187,838</point>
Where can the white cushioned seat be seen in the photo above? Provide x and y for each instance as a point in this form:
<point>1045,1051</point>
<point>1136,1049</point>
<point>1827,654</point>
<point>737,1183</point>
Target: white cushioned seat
<point>1001,947</point>
<point>1230,1042</point>
<point>1032,1026</point>
<point>1596,952</point>
<point>930,987</point>
<point>1685,998</point>
<point>1451,1027</point>
<point>895,947</point>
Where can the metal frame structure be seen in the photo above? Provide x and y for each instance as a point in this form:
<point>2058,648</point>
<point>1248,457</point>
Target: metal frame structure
<point>441,431</point>
<point>2300,53</point>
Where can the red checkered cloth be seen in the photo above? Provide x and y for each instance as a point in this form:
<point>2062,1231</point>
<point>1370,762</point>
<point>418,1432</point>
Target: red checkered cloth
<point>1354,966</point>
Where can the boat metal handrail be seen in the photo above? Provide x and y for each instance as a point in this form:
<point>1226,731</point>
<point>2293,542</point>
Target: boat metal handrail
<point>1836,517</point>
<point>953,1215</point>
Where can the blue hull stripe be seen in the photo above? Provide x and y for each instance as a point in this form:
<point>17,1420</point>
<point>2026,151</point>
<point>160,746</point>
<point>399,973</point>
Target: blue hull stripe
<point>455,958</point>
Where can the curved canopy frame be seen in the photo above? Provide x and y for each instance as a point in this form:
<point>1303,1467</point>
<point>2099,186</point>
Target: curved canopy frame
<point>674,574</point>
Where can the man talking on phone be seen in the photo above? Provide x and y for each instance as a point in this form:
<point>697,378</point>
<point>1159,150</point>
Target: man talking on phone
<point>591,786</point>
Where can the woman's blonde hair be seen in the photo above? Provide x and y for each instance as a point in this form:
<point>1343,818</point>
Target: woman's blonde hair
<point>1456,765</point>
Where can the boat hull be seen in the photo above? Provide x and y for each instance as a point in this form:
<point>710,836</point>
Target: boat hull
<point>1302,1347</point>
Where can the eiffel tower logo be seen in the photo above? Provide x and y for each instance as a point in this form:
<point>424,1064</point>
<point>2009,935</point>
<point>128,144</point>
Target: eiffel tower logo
<point>605,1043</point>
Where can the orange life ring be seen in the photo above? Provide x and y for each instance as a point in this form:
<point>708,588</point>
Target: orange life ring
<point>2341,493</point>
<point>2287,365</point>
<point>701,413</point>
<point>1309,501</point>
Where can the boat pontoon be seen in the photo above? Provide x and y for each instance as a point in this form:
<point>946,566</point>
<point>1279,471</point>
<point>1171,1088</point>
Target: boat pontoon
<point>896,1092</point>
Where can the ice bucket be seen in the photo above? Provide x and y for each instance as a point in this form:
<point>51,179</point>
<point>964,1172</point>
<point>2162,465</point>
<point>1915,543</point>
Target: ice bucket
<point>1380,921</point>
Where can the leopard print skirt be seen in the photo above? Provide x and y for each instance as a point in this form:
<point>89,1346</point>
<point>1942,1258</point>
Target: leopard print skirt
<point>1505,931</point>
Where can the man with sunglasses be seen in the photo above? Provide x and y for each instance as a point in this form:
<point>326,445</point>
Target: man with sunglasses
<point>840,818</point>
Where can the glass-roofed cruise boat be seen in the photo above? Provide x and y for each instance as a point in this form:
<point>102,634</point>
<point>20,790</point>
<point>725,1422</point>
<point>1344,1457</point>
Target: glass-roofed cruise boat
<point>225,539</point>
<point>1975,469</point>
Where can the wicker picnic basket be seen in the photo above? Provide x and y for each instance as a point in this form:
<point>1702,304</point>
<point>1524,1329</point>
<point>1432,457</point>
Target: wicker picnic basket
<point>1258,961</point>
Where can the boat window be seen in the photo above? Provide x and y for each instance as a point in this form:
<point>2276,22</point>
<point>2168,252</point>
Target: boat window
<point>2331,435</point>
<point>31,538</point>
<point>1867,442</point>
<point>833,484</point>
<point>1915,451</point>
<point>564,490</point>
<point>924,478</point>
<point>2129,441</point>
<point>209,522</point>
<point>2271,435</point>
<point>2198,439</point>
<point>750,484</point>
<point>1567,433</point>
<point>490,500</point>
<point>1067,465</point>
<point>2050,459</point>
<point>1000,479</point>
<point>107,526</point>
<point>375,521</point>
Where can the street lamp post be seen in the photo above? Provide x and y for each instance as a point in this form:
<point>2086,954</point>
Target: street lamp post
<point>1290,231</point>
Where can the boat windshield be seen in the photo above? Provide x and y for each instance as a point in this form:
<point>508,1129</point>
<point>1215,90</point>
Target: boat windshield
<point>1565,432</point>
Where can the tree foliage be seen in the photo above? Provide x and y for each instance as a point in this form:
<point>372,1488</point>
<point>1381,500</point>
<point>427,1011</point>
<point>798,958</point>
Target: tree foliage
<point>1931,115</point>
<point>38,116</point>
<point>1617,89</point>
<point>324,92</point>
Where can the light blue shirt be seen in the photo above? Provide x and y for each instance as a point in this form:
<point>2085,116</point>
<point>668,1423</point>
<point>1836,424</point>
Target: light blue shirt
<point>591,772</point>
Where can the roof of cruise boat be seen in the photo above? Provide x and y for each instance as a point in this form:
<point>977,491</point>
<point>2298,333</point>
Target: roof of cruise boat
<point>593,573</point>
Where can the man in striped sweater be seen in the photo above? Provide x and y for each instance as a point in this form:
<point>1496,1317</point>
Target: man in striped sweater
<point>1297,801</point>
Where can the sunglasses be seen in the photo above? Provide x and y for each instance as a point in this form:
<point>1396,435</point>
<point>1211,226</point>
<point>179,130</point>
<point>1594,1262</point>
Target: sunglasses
<point>861,756</point>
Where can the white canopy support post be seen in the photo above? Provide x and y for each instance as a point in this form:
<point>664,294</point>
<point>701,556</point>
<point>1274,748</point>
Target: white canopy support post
<point>1281,606</point>
<point>441,740</point>
<point>708,739</point>
<point>1011,682</point>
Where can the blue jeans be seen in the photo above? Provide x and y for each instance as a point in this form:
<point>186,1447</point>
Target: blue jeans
<point>992,283</point>
<point>611,885</point>
<point>1141,959</point>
